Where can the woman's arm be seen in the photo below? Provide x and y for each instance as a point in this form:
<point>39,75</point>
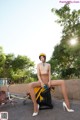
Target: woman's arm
<point>49,74</point>
<point>38,75</point>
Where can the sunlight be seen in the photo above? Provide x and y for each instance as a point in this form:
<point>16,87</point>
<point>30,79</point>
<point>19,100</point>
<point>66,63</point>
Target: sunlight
<point>73,42</point>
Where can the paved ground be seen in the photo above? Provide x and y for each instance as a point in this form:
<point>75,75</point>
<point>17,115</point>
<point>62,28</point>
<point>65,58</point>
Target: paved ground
<point>24,112</point>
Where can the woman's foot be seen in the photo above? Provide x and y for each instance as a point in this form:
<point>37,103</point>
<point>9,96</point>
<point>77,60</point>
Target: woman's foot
<point>65,107</point>
<point>36,113</point>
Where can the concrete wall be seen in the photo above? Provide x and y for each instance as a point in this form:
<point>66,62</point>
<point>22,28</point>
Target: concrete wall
<point>16,88</point>
<point>73,89</point>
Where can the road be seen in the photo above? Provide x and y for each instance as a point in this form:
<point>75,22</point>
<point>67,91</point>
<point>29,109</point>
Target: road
<point>24,112</point>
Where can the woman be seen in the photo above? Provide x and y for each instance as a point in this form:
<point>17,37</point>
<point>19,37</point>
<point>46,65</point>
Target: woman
<point>44,77</point>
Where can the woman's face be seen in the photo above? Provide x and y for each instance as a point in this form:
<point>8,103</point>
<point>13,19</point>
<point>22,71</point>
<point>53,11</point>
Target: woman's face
<point>42,58</point>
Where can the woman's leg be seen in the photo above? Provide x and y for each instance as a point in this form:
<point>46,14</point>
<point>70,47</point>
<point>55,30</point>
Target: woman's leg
<point>64,91</point>
<point>31,91</point>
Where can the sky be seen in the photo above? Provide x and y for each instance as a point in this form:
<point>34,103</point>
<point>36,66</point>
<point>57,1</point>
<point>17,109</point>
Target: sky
<point>28,27</point>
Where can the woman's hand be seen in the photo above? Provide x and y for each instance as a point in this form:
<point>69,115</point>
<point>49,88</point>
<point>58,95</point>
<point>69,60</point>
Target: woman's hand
<point>42,84</point>
<point>49,84</point>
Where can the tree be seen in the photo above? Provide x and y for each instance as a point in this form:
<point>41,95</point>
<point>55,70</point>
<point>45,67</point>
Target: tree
<point>22,62</point>
<point>69,20</point>
<point>18,69</point>
<point>2,61</point>
<point>65,58</point>
<point>22,68</point>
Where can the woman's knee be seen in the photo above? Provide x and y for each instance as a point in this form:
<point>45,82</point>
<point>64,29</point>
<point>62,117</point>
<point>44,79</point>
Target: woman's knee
<point>31,85</point>
<point>62,82</point>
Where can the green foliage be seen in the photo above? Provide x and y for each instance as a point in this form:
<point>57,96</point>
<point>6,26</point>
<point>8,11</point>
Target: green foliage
<point>29,80</point>
<point>70,20</point>
<point>22,62</point>
<point>65,60</point>
<point>18,69</point>
<point>2,57</point>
